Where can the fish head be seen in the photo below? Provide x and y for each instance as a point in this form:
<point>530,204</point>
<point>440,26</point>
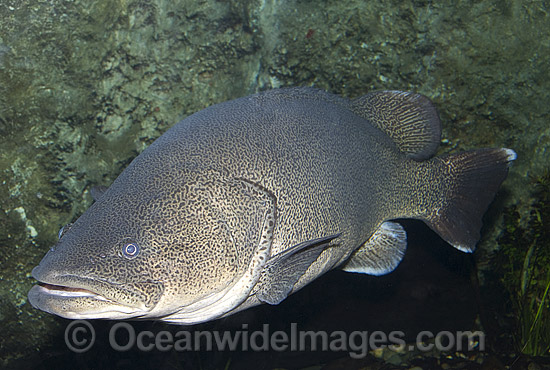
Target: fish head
<point>98,269</point>
<point>173,244</point>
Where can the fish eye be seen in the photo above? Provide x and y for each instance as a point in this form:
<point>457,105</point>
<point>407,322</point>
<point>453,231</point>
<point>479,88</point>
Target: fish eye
<point>63,230</point>
<point>130,249</point>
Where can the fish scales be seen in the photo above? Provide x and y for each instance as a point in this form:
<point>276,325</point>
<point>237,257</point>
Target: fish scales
<point>247,201</point>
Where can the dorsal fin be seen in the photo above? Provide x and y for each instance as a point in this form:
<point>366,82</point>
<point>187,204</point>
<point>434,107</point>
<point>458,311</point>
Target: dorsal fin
<point>410,119</point>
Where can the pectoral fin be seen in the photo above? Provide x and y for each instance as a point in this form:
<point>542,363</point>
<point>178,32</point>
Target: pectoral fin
<point>283,270</point>
<point>381,253</point>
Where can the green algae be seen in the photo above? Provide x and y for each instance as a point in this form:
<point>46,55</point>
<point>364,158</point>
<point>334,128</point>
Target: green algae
<point>524,258</point>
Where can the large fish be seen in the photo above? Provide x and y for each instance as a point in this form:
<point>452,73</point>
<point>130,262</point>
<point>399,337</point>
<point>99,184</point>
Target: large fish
<point>249,200</point>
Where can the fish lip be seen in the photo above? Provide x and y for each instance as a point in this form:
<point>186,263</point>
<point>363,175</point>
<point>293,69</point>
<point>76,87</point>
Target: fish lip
<point>66,292</point>
<point>69,306</point>
<point>69,292</point>
<point>74,288</point>
<point>70,286</point>
<point>66,282</point>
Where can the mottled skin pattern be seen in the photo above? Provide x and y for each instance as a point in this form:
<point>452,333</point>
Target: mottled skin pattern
<point>223,190</point>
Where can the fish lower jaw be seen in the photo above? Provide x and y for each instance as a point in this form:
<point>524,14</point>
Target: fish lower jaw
<point>64,291</point>
<point>77,303</point>
<point>93,315</point>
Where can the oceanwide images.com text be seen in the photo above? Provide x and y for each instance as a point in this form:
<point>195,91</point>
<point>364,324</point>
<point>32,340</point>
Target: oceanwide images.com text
<point>80,337</point>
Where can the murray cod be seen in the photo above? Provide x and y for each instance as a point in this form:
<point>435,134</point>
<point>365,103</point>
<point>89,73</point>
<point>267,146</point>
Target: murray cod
<point>247,201</point>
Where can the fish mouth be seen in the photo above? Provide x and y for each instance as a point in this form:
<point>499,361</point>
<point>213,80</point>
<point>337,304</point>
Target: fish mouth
<point>75,297</point>
<point>65,291</point>
<point>76,303</point>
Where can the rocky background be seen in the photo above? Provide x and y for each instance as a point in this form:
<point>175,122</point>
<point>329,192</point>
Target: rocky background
<point>85,86</point>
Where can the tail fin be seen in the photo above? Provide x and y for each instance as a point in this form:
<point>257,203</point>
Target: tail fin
<point>474,177</point>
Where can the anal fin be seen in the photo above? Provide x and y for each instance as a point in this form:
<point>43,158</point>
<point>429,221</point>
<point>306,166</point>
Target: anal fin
<point>283,270</point>
<point>381,253</point>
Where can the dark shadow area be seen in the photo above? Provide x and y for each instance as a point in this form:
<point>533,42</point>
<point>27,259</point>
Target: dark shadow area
<point>429,291</point>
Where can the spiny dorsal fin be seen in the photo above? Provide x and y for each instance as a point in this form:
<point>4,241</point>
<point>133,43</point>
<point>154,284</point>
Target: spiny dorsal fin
<point>410,119</point>
<point>97,192</point>
<point>381,253</point>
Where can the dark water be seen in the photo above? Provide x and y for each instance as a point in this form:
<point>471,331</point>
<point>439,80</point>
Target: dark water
<point>431,291</point>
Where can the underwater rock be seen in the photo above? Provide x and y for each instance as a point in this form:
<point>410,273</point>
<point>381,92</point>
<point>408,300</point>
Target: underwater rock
<point>86,86</point>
